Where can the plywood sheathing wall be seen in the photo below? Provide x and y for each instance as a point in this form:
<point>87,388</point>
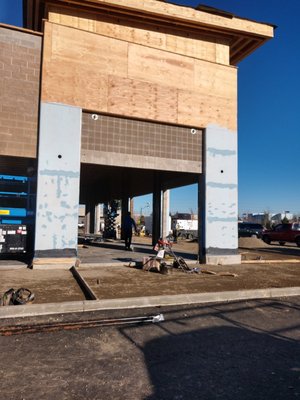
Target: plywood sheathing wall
<point>160,11</point>
<point>180,41</point>
<point>105,74</point>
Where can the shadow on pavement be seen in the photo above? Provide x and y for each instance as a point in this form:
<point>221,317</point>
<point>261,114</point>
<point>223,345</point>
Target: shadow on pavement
<point>235,351</point>
<point>226,362</point>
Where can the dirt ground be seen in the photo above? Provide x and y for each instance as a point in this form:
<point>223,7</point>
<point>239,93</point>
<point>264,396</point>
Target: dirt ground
<point>253,248</point>
<point>250,248</point>
<point>121,281</point>
<point>48,286</point>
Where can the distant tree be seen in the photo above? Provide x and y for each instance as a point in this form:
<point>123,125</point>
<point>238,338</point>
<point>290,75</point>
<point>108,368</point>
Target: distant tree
<point>285,220</point>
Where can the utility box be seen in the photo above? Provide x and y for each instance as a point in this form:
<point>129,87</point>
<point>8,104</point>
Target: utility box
<point>17,204</point>
<point>13,238</point>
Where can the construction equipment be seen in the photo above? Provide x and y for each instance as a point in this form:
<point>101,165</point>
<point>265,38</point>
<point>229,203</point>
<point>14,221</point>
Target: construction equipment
<point>164,255</point>
<point>17,204</point>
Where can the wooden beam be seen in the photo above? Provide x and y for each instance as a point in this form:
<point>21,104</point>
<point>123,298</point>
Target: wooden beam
<point>182,15</point>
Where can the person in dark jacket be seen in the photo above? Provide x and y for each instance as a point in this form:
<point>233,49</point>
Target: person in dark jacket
<point>128,225</point>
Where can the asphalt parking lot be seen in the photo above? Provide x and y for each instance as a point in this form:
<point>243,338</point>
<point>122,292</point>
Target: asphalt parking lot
<point>240,350</point>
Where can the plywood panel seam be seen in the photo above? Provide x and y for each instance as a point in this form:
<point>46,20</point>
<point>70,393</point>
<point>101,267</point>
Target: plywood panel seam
<point>154,84</point>
<point>143,45</point>
<point>183,15</point>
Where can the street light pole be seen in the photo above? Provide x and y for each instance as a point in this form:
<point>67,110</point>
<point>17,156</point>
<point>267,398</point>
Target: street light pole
<point>142,208</point>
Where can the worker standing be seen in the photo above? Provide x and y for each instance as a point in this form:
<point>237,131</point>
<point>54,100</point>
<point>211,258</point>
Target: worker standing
<point>128,225</point>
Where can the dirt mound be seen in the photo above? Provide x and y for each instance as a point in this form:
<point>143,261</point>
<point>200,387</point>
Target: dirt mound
<point>251,242</point>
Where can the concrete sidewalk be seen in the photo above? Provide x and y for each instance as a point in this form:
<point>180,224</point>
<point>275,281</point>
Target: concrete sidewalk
<point>144,302</point>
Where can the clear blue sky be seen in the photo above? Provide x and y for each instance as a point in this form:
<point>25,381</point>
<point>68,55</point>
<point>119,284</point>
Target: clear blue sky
<point>11,12</point>
<point>269,108</point>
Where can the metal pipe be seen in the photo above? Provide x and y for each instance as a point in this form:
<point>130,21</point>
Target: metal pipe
<point>54,327</point>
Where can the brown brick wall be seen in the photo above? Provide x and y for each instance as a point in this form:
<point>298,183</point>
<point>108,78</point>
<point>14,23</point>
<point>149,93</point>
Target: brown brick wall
<point>126,140</point>
<point>20,58</point>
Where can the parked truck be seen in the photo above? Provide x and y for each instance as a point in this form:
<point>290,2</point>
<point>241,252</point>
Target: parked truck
<point>185,228</point>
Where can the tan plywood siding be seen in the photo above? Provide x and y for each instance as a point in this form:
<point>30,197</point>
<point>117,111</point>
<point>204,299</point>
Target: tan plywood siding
<point>191,44</point>
<point>109,75</point>
<point>188,15</point>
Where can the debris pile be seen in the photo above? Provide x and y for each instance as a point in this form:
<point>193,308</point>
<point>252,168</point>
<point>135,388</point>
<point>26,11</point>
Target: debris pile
<point>17,297</point>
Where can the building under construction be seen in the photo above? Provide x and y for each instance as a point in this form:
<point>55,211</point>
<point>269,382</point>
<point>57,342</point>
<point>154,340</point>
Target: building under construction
<point>112,99</point>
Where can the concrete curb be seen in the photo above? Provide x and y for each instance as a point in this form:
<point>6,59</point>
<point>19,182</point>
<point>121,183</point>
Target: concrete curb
<point>291,261</point>
<point>142,302</point>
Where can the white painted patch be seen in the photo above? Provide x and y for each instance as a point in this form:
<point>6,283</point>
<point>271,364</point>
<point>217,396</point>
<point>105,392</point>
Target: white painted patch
<point>221,212</point>
<point>58,177</point>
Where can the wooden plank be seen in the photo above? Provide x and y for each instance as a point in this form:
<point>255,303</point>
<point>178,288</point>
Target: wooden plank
<point>141,100</point>
<point>127,97</point>
<point>166,104</point>
<point>160,67</point>
<point>54,17</point>
<point>202,109</point>
<point>67,78</point>
<point>218,80</point>
<point>151,35</point>
<point>222,53</point>
<point>104,54</point>
<point>47,48</point>
<point>74,88</point>
<point>204,49</point>
<point>97,73</point>
<point>183,14</point>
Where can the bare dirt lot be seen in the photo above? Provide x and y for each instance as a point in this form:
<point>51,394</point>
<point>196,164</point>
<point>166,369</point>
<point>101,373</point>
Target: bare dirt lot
<point>48,286</point>
<point>253,248</point>
<point>121,281</point>
<point>125,281</point>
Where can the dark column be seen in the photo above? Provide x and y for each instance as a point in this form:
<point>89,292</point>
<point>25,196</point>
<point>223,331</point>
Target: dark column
<point>156,217</point>
<point>201,218</point>
<point>124,211</point>
<point>90,218</point>
<point>201,205</point>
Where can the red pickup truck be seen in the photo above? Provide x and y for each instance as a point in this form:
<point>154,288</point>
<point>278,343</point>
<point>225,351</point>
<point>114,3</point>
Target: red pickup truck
<point>283,233</point>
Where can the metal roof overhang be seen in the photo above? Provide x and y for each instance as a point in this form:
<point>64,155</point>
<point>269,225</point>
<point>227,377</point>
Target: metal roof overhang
<point>244,36</point>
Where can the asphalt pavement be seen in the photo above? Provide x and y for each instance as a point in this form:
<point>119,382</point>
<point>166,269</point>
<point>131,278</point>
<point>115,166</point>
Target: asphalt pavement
<point>239,350</point>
